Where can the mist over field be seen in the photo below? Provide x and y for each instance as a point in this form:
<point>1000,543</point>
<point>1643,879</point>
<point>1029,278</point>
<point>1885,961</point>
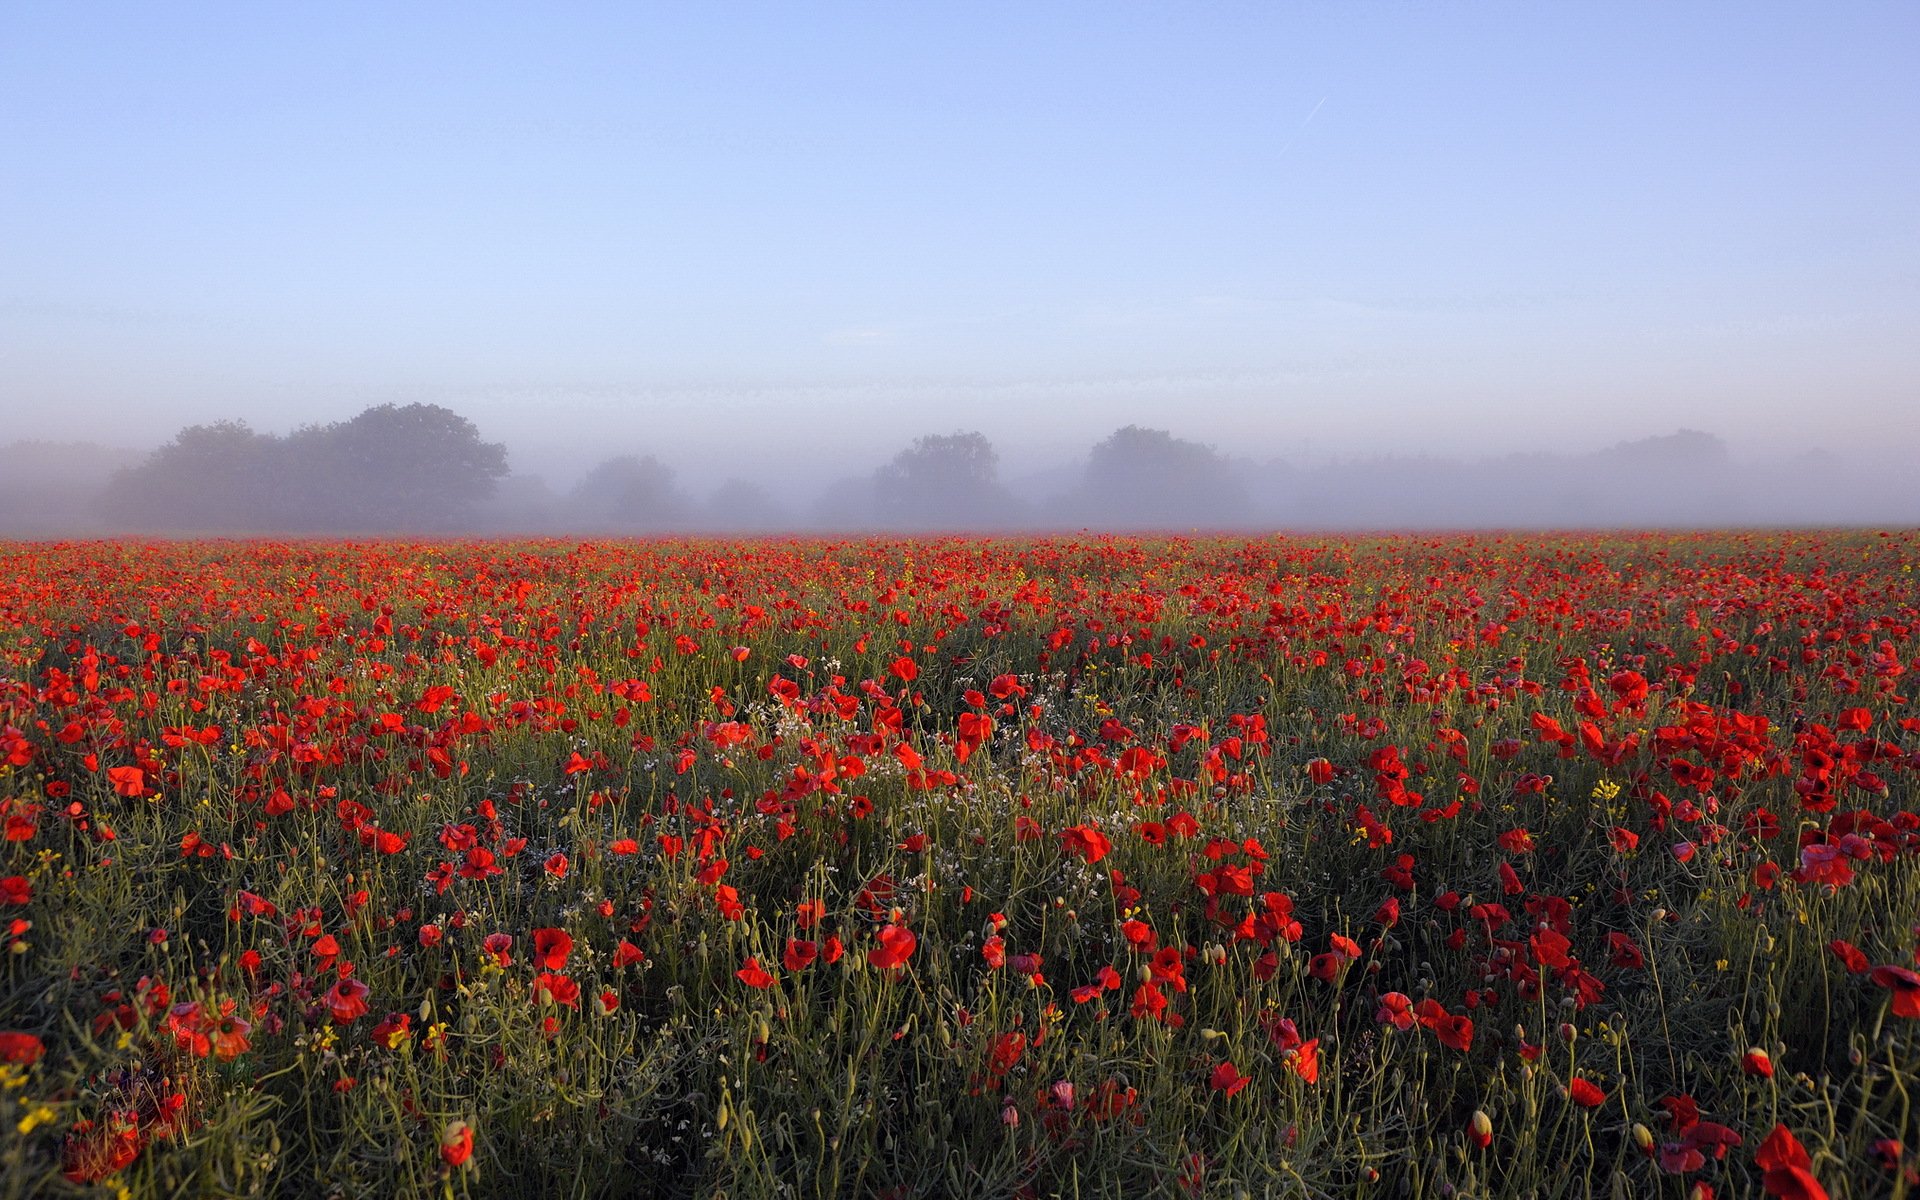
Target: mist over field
<point>424,470</point>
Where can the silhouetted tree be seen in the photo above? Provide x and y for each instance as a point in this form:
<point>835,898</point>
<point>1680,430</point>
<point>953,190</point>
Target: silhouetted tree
<point>629,493</point>
<point>949,481</point>
<point>1147,478</point>
<point>217,478</point>
<point>417,466</point>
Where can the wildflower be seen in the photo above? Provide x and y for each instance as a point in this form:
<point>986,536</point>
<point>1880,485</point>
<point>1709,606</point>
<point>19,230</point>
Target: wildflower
<point>347,1000</point>
<point>754,975</point>
<point>1905,986</point>
<point>553,988</point>
<point>1850,955</point>
<point>551,948</point>
<point>456,1143</point>
<point>22,1048</point>
<point>799,954</point>
<point>1480,1129</point>
<point>1788,1170</point>
<point>1227,1079</point>
<point>1086,841</point>
<point>1395,1009</point>
<point>896,944</point>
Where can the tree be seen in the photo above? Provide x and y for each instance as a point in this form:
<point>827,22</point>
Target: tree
<point>949,481</point>
<point>1147,478</point>
<point>417,466</point>
<point>629,493</point>
<point>212,478</point>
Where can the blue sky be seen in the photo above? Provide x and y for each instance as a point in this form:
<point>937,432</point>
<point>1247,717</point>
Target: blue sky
<point>763,234</point>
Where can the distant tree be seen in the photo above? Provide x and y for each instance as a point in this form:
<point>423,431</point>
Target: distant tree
<point>215,478</point>
<point>1147,478</point>
<point>629,493</point>
<point>415,466</point>
<point>944,481</point>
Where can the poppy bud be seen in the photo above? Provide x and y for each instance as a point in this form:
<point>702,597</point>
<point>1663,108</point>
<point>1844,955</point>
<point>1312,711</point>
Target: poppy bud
<point>1757,1062</point>
<point>456,1143</point>
<point>1643,1138</point>
<point>1480,1129</point>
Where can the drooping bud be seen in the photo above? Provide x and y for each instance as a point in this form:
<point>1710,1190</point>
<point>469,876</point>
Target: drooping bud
<point>1480,1129</point>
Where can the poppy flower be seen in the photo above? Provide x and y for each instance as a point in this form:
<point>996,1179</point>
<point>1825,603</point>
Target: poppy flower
<point>1480,1129</point>
<point>1086,841</point>
<point>347,1000</point>
<point>754,975</point>
<point>1850,955</point>
<point>1228,1080</point>
<point>456,1143</point>
<point>799,954</point>
<point>551,948</point>
<point>1304,1060</point>
<point>896,945</point>
<point>550,987</point>
<point>1788,1171</point>
<point>1905,986</point>
<point>1586,1093</point>
<point>22,1048</point>
<point>1394,1009</point>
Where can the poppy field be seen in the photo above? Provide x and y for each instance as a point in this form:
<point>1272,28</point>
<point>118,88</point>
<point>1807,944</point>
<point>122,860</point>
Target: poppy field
<point>1477,865</point>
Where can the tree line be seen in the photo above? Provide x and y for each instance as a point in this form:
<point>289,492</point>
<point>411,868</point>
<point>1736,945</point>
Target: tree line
<point>424,468</point>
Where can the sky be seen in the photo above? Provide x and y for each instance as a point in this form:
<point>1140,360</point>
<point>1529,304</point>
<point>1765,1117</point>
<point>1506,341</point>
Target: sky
<point>777,237</point>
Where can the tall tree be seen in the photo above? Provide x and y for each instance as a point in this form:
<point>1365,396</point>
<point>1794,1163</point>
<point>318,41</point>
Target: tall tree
<point>414,466</point>
<point>947,481</point>
<point>216,478</point>
<point>1149,479</point>
<point>630,493</point>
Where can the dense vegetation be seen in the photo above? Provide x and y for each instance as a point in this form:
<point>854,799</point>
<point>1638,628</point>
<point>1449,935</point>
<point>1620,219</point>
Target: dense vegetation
<point>1556,866</point>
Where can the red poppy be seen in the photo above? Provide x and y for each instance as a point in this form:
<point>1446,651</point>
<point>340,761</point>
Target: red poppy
<point>896,945</point>
<point>22,1048</point>
<point>754,975</point>
<point>456,1143</point>
<point>1086,841</point>
<point>799,954</point>
<point>1905,986</point>
<point>1788,1170</point>
<point>347,1000</point>
<point>1228,1080</point>
<point>551,948</point>
<point>1586,1093</point>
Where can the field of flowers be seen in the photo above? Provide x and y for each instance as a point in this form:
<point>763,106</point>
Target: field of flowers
<point>1574,865</point>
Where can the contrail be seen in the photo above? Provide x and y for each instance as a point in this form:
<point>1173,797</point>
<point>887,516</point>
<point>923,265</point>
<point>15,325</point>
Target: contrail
<point>1302,129</point>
